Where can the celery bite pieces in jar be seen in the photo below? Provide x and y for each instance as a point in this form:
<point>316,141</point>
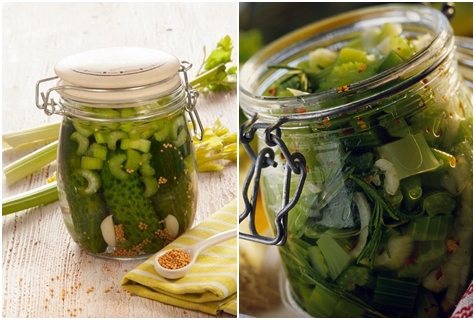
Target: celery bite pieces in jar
<point>364,162</point>
<point>126,166</point>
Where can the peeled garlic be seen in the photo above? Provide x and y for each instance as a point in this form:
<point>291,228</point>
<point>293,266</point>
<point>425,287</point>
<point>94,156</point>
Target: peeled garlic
<point>391,179</point>
<point>107,229</point>
<point>172,225</point>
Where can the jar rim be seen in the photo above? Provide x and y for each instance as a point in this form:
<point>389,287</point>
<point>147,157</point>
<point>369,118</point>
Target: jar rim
<point>291,45</point>
<point>159,106</point>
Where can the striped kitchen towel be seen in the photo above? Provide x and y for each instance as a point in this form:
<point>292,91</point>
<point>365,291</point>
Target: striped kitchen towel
<point>211,284</point>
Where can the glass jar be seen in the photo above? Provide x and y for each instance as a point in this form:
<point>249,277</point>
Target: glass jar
<point>368,186</point>
<point>126,175</point>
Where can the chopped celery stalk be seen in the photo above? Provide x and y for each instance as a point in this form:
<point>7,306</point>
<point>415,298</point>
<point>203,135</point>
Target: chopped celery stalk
<point>410,155</point>
<point>336,257</point>
<point>181,138</point>
<point>139,144</point>
<point>351,55</point>
<point>429,228</point>
<point>146,169</point>
<point>83,127</point>
<point>438,202</point>
<point>401,46</point>
<point>39,196</point>
<point>395,295</point>
<point>411,189</point>
<point>127,112</point>
<point>354,276</point>
<point>133,159</point>
<point>151,186</point>
<point>114,137</point>
<point>91,163</point>
<point>396,127</point>
<point>391,60</point>
<point>83,143</point>
<point>390,29</point>
<point>161,134</point>
<point>322,57</point>
<point>31,163</point>
<point>101,137</point>
<point>115,166</point>
<point>347,73</point>
<point>426,304</point>
<point>93,178</point>
<point>97,151</point>
<point>45,132</point>
<point>178,125</point>
<point>318,261</point>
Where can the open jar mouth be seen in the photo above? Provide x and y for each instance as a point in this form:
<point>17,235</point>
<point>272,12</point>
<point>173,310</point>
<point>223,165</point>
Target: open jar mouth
<point>334,33</point>
<point>144,109</point>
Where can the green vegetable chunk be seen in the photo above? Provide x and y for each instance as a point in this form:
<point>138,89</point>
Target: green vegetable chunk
<point>86,206</point>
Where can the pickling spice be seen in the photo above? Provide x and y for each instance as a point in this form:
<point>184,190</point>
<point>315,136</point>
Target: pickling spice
<point>175,259</point>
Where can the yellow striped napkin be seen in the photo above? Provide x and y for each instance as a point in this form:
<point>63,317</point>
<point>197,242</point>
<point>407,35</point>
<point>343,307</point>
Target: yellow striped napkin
<point>211,284</point>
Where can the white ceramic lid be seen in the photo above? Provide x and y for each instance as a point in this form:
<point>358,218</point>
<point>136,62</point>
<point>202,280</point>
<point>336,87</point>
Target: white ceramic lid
<point>114,71</point>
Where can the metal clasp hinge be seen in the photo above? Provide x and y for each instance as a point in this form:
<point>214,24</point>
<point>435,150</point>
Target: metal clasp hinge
<point>192,98</point>
<point>295,164</point>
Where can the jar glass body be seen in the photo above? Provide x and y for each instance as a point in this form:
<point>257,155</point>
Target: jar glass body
<point>383,226</point>
<point>126,175</point>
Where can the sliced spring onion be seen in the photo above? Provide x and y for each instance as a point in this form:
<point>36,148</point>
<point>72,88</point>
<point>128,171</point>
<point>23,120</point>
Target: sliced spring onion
<point>31,163</point>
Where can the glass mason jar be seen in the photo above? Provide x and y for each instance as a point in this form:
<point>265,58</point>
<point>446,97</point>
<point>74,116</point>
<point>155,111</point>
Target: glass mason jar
<point>368,186</point>
<point>126,175</point>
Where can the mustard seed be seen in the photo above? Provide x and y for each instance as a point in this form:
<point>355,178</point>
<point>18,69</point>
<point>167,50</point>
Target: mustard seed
<point>175,259</point>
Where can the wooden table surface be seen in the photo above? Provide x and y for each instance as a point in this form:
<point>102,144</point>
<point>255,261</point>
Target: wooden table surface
<point>44,272</point>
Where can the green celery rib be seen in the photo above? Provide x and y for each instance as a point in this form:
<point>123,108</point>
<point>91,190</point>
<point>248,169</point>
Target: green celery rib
<point>42,195</point>
<point>44,132</point>
<point>31,163</point>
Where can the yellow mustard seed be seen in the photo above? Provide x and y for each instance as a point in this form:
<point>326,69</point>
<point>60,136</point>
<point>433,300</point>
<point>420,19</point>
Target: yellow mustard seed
<point>175,259</point>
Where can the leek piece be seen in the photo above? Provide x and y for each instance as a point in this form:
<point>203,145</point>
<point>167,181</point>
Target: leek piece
<point>412,191</point>
<point>438,202</point>
<point>91,163</point>
<point>83,143</point>
<point>318,261</point>
<point>31,163</point>
<point>39,196</point>
<point>429,228</point>
<point>142,145</point>
<point>410,155</point>
<point>151,186</point>
<point>47,132</point>
<point>396,295</point>
<point>336,257</point>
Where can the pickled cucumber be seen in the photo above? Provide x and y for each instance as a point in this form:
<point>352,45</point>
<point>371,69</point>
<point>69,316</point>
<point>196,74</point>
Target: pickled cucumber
<point>131,211</point>
<point>87,210</point>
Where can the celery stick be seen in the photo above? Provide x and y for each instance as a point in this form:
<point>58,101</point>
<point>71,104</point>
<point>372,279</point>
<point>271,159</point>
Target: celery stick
<point>44,132</point>
<point>31,163</point>
<point>42,195</point>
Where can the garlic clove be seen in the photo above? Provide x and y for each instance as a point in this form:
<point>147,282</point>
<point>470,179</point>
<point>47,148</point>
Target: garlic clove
<point>172,225</point>
<point>107,229</point>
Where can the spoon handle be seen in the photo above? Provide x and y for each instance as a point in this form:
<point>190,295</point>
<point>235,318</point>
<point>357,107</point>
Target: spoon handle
<point>214,240</point>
